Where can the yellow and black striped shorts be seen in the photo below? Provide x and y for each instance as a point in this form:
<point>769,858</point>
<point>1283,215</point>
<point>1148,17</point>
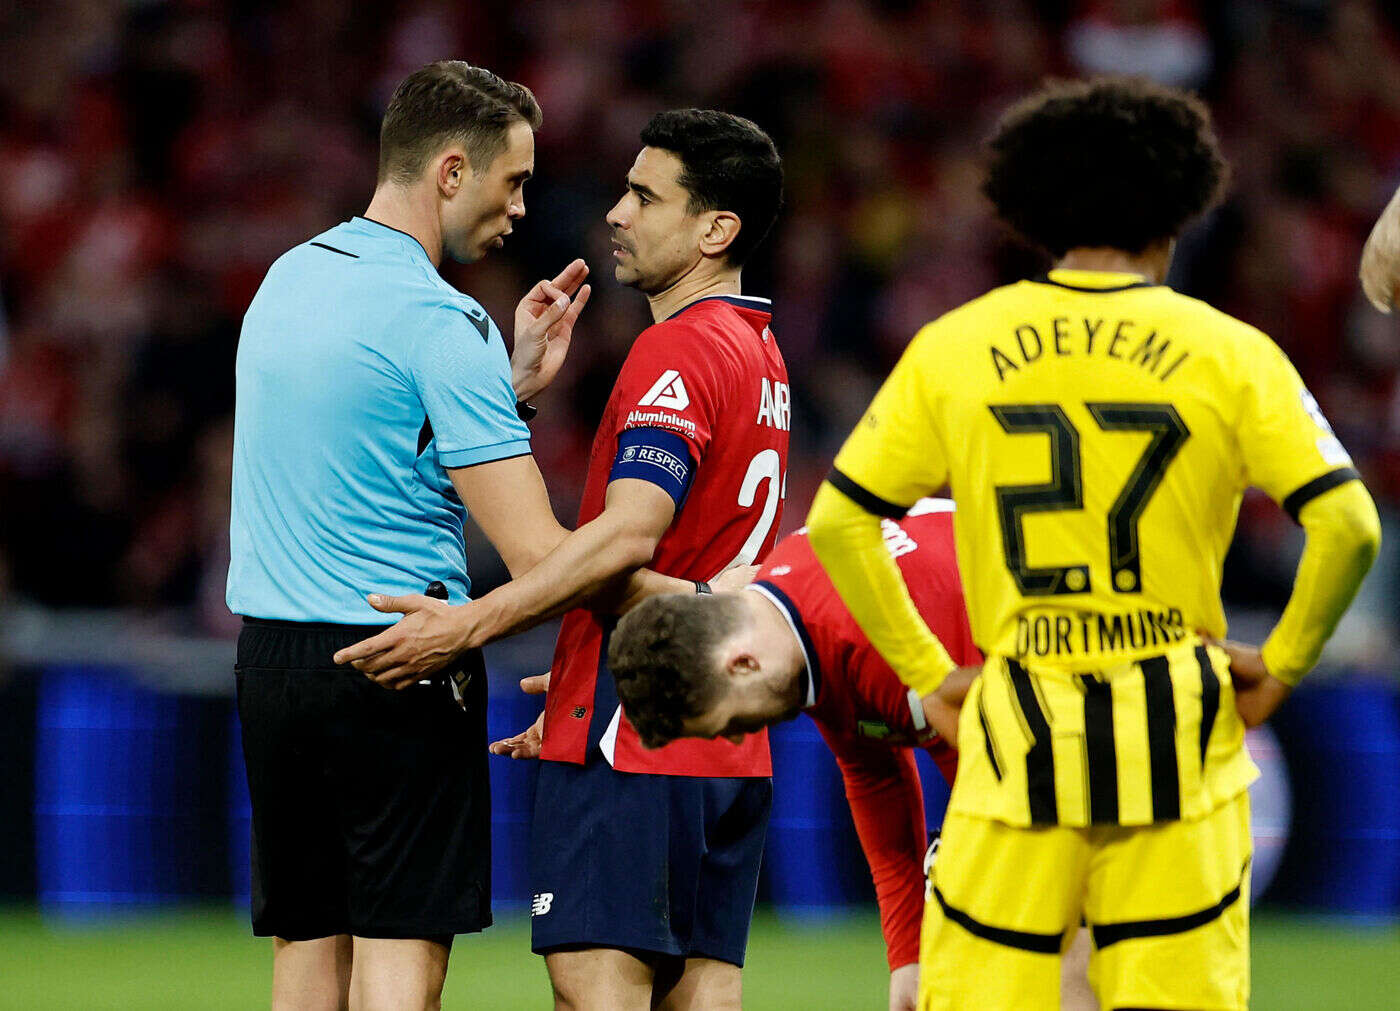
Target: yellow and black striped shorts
<point>1141,741</point>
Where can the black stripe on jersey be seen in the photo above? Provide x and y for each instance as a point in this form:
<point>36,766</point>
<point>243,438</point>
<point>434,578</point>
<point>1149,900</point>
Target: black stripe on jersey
<point>1111,933</point>
<point>1047,279</point>
<point>1101,756</point>
<point>1042,944</point>
<point>322,245</point>
<point>1040,759</point>
<point>1293,505</point>
<point>987,739</point>
<point>1161,739</point>
<point>867,500</point>
<point>1210,699</point>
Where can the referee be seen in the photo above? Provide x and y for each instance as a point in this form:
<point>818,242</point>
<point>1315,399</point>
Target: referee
<point>368,388</point>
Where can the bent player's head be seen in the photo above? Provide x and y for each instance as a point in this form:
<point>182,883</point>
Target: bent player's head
<point>1113,163</point>
<point>468,137</point>
<point>698,665</point>
<point>701,196</point>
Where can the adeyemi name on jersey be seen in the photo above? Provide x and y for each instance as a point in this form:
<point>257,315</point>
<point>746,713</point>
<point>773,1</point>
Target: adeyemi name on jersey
<point>1086,634</point>
<point>775,406</point>
<point>1064,338</point>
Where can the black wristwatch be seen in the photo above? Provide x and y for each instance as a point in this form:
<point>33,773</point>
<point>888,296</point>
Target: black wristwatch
<point>525,411</point>
<point>702,587</point>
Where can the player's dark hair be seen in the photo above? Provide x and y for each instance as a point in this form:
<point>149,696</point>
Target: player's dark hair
<point>1115,162</point>
<point>728,164</point>
<point>450,101</point>
<point>663,655</point>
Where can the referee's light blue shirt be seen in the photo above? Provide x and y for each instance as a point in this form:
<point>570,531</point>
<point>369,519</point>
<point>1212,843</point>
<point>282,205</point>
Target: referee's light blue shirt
<point>362,374</point>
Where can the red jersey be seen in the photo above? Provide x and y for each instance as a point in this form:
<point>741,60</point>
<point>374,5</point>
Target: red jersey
<point>868,717</point>
<point>708,383</point>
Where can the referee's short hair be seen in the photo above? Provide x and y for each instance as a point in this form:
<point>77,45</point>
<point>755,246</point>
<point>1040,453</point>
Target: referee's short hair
<point>448,101</point>
<point>1119,162</point>
<point>728,164</point>
<point>664,656</point>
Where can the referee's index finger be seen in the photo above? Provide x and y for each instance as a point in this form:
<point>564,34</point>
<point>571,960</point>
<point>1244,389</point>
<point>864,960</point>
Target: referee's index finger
<point>362,649</point>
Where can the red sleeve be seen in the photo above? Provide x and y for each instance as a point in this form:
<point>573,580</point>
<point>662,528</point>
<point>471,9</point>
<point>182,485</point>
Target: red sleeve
<point>887,803</point>
<point>673,379</point>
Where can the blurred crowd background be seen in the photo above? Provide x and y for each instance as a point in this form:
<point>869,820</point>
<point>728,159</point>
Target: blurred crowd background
<point>155,157</point>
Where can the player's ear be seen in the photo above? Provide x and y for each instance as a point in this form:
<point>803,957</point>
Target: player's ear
<point>741,665</point>
<point>721,229</point>
<point>452,171</point>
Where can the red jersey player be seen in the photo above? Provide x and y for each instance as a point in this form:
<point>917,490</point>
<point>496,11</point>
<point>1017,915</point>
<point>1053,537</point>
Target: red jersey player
<point>645,865</point>
<point>731,665</point>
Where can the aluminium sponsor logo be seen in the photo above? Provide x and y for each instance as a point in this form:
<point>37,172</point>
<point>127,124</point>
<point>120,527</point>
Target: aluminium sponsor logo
<point>667,392</point>
<point>659,419</point>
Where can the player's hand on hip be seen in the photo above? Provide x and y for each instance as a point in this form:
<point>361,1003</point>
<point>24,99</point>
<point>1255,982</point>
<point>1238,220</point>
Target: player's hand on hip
<point>544,328</point>
<point>527,743</point>
<point>943,706</point>
<point>904,987</point>
<point>1257,692</point>
<point>429,637</point>
<point>736,577</point>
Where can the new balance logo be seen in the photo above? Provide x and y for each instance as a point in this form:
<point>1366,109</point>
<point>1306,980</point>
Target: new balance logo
<point>541,903</point>
<point>668,391</point>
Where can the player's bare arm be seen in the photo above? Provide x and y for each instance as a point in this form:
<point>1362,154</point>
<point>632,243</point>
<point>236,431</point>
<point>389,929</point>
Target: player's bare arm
<point>1380,259</point>
<point>593,558</point>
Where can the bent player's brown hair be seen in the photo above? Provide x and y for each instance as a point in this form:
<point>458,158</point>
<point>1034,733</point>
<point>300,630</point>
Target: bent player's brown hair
<point>450,101</point>
<point>1113,162</point>
<point>664,656</point>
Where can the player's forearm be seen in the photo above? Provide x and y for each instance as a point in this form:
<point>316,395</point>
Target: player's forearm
<point>620,597</point>
<point>1343,536</point>
<point>848,543</point>
<point>588,563</point>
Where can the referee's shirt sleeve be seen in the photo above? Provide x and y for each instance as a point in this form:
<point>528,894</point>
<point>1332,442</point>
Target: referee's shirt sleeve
<point>459,365</point>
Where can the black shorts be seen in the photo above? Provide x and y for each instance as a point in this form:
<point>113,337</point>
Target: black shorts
<point>663,865</point>
<point>371,809</point>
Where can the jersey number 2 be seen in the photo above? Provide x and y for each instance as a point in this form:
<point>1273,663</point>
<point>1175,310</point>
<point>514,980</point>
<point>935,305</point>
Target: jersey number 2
<point>1065,489</point>
<point>767,466</point>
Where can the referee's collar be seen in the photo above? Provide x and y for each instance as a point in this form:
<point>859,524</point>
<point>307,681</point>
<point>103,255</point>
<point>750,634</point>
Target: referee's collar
<point>371,227</point>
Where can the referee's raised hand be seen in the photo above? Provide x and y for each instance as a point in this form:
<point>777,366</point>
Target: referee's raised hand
<point>430,636</point>
<point>544,328</point>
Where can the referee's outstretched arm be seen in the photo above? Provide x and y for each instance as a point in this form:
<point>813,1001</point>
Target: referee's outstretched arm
<point>603,559</point>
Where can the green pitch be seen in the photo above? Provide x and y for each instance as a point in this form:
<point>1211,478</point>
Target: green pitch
<point>205,959</point>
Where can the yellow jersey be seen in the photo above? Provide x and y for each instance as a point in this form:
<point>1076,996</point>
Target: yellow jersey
<point>1097,432</point>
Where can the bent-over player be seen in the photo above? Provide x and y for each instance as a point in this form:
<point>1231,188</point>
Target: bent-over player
<point>733,663</point>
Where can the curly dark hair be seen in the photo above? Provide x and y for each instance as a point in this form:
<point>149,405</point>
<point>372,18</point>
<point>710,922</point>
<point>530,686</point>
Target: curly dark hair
<point>1115,162</point>
<point>729,164</point>
<point>662,655</point>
